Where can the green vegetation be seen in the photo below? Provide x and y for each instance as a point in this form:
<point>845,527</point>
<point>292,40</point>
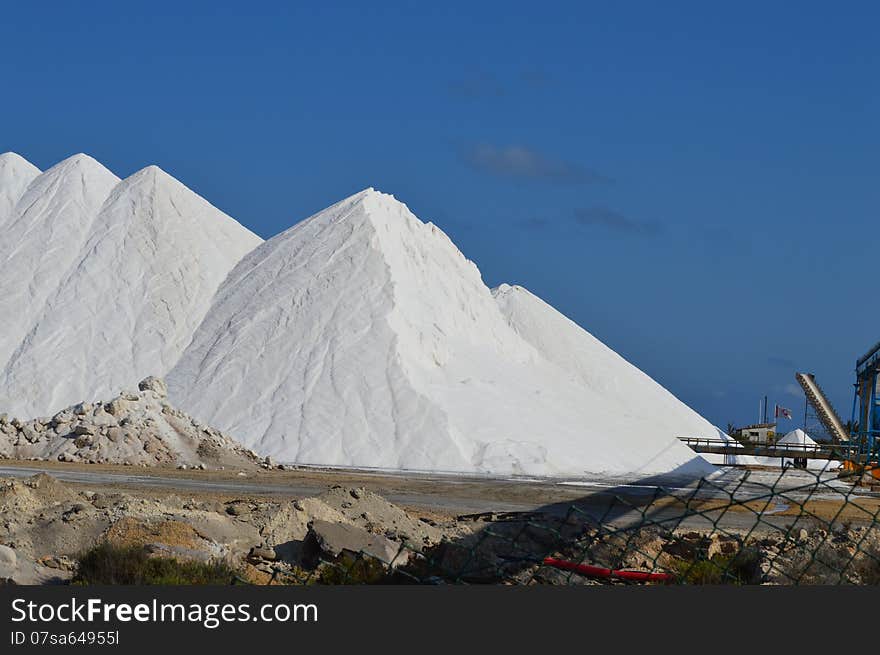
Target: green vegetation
<point>348,569</point>
<point>737,569</point>
<point>132,565</point>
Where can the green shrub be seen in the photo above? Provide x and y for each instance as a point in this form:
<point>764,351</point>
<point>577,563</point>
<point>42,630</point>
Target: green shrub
<point>131,565</point>
<point>349,569</point>
<point>738,569</point>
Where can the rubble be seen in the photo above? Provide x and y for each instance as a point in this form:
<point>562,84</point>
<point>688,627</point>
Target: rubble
<point>46,525</point>
<point>331,540</point>
<point>135,428</point>
<point>355,535</point>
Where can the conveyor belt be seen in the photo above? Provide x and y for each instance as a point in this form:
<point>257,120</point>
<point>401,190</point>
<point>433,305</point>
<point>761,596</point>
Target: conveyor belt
<point>824,410</point>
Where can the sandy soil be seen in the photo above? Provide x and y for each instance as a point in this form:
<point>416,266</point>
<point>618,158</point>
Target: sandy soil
<point>445,496</point>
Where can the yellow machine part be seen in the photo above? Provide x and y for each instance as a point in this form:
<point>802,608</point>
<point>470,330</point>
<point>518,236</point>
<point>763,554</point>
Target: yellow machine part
<point>872,469</point>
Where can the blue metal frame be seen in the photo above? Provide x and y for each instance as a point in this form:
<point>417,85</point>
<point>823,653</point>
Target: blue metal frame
<point>866,411</point>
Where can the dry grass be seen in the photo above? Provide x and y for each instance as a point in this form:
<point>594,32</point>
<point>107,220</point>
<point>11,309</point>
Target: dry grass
<point>109,564</point>
<point>132,532</point>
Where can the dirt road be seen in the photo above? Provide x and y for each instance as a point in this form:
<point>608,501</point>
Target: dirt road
<point>693,506</point>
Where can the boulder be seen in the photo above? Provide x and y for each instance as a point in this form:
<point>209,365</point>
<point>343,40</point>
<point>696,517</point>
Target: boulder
<point>82,409</point>
<point>263,552</point>
<point>8,557</point>
<point>30,433</point>
<point>118,406</point>
<point>154,384</point>
<point>331,540</point>
<point>723,546</point>
<point>83,441</point>
<point>238,508</point>
<point>61,418</point>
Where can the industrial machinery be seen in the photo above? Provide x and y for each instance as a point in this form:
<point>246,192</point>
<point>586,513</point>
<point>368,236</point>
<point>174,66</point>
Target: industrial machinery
<point>861,439</point>
<point>824,411</point>
<point>866,403</point>
<point>857,445</point>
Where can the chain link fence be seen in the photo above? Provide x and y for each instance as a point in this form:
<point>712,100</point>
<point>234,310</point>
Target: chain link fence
<point>788,527</point>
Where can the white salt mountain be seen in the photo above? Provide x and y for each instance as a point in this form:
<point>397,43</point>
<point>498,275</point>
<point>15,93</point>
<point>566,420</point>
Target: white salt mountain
<point>46,233</point>
<point>106,282</point>
<point>363,337</point>
<point>360,337</point>
<point>16,174</point>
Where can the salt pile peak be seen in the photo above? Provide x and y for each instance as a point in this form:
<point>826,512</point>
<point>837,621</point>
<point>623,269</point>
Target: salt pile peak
<point>47,231</point>
<point>107,282</point>
<point>363,337</point>
<point>16,173</point>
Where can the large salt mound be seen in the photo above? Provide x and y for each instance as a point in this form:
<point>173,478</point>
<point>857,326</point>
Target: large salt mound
<point>106,283</point>
<point>47,230</point>
<point>363,337</point>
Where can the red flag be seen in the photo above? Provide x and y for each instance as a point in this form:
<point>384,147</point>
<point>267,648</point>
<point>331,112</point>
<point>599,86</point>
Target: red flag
<point>782,412</point>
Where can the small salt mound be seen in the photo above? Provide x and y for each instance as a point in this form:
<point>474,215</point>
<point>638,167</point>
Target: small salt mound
<point>797,437</point>
<point>136,428</point>
<point>791,440</point>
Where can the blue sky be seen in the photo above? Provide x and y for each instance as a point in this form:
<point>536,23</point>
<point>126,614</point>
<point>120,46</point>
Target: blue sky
<point>696,185</point>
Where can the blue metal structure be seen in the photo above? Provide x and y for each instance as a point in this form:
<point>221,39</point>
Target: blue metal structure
<point>866,403</point>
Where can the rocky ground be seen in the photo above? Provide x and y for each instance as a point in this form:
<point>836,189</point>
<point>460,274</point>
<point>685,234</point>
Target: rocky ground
<point>137,428</point>
<point>45,525</point>
<point>351,534</point>
<point>836,554</point>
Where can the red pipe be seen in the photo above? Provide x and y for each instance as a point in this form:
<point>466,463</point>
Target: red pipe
<point>599,572</point>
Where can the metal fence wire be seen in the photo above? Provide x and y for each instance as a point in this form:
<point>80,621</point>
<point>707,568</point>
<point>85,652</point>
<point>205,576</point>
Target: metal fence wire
<point>784,527</point>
